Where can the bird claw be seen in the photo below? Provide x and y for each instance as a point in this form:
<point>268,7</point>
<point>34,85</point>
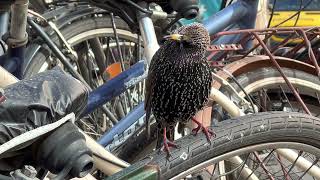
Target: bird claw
<point>208,132</point>
<point>167,144</point>
<point>196,130</point>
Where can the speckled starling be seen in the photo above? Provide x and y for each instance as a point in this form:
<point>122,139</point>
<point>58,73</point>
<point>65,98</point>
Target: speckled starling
<point>179,79</point>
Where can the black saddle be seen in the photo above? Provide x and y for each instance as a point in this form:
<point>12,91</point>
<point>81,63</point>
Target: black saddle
<point>38,101</point>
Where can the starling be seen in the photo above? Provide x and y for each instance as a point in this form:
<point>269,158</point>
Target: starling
<point>179,80</point>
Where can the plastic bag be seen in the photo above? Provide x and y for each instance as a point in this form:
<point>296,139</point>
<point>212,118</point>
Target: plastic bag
<point>40,100</point>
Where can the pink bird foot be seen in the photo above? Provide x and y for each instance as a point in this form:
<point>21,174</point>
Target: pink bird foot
<point>167,144</point>
<point>208,132</point>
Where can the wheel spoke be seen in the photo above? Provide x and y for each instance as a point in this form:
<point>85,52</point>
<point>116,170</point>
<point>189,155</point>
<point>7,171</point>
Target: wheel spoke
<point>263,165</point>
<point>285,95</point>
<point>259,164</point>
<point>318,97</point>
<point>307,170</point>
<point>278,158</point>
<point>299,161</point>
<point>117,41</point>
<point>245,170</point>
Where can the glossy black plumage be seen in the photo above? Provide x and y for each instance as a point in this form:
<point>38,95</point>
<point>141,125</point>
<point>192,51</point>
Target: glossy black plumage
<point>179,78</point>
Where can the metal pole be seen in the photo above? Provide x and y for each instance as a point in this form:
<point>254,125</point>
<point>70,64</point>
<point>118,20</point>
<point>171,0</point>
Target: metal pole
<point>149,37</point>
<point>242,12</point>
<point>18,23</point>
<point>4,19</point>
<point>225,102</point>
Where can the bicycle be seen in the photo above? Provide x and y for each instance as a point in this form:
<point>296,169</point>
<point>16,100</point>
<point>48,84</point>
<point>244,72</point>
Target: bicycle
<point>134,121</point>
<point>225,107</point>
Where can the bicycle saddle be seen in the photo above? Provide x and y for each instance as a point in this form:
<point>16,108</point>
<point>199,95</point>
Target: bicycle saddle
<point>38,101</point>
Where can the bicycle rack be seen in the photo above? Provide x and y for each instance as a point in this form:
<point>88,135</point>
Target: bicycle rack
<point>307,49</point>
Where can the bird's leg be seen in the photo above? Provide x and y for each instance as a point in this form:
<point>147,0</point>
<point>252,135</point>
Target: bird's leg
<point>167,143</point>
<point>208,132</point>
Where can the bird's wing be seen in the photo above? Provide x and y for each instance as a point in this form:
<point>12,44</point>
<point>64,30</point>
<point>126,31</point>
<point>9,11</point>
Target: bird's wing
<point>149,88</point>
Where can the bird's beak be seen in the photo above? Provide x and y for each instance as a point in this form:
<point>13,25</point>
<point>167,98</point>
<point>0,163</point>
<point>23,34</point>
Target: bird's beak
<point>176,37</point>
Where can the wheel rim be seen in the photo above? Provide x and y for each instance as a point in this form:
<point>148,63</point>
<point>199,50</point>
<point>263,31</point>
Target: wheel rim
<point>307,88</point>
<point>272,93</point>
<point>263,170</point>
<point>275,87</point>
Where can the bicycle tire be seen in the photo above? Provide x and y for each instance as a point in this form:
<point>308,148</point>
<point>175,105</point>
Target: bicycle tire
<point>232,135</point>
<point>270,78</point>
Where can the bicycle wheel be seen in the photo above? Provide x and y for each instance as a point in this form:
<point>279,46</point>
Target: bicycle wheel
<point>266,81</point>
<point>269,92</point>
<point>85,36</point>
<point>269,145</point>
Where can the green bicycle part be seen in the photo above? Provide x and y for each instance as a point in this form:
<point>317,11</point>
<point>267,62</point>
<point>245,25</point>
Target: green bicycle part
<point>145,172</point>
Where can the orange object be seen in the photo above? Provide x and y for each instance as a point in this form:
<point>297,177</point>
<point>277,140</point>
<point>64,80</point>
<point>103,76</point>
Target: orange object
<point>113,70</point>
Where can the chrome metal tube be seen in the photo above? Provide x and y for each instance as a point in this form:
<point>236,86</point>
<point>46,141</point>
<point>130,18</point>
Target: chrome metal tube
<point>149,38</point>
<point>18,23</point>
<point>225,102</point>
<point>4,19</point>
<point>222,169</point>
